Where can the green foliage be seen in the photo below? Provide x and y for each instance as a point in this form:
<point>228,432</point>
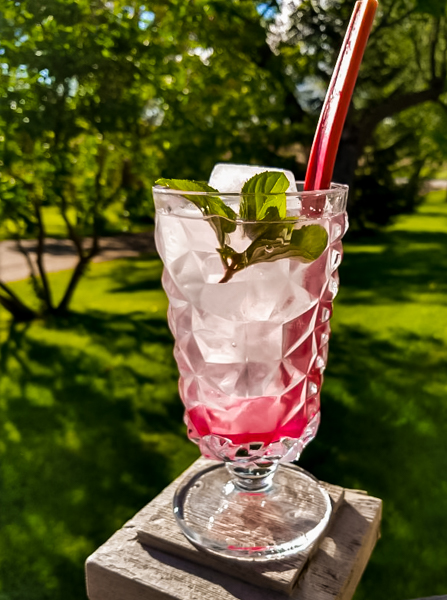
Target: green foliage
<point>431,7</point>
<point>71,88</point>
<point>101,99</point>
<point>75,112</point>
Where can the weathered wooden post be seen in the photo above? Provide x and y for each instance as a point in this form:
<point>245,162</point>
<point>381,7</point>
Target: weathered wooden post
<point>150,559</point>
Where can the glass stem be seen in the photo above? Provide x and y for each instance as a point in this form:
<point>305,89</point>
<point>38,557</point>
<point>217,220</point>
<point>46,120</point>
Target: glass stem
<point>252,478</point>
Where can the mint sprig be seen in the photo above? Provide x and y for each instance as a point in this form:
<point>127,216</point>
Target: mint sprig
<point>264,219</point>
<point>222,217</point>
<point>306,243</point>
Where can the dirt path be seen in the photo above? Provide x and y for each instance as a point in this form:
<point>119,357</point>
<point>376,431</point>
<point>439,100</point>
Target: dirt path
<point>61,255</point>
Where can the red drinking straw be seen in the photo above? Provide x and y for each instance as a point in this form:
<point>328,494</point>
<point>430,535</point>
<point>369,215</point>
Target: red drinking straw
<point>338,97</point>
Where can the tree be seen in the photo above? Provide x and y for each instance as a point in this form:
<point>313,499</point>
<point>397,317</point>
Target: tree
<point>75,74</point>
<point>262,93</point>
<point>405,66</point>
<point>101,97</point>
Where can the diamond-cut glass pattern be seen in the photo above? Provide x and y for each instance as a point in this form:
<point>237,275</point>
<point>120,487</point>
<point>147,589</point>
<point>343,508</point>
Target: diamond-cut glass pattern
<point>251,352</point>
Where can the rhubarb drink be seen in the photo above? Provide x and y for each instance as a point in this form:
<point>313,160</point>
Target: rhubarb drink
<point>251,350</point>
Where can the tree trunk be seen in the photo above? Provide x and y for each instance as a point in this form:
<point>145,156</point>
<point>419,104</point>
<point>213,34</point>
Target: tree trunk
<point>46,296</point>
<point>357,134</point>
<point>347,159</point>
<point>352,146</point>
<point>64,304</point>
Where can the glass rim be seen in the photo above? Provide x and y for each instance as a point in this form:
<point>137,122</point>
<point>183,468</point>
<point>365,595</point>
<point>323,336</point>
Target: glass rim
<point>335,188</point>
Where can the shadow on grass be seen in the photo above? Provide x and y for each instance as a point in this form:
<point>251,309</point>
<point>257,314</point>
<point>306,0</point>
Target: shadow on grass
<point>93,430</point>
<point>382,413</point>
<point>139,286</point>
<point>404,263</point>
<point>130,280</point>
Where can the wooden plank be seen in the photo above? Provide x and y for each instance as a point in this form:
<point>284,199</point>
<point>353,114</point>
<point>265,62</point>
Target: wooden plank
<point>123,569</point>
<point>342,556</point>
<point>158,529</point>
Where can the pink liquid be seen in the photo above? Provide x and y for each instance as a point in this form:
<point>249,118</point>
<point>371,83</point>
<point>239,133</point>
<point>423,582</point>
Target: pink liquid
<point>254,420</point>
<point>251,352</point>
<point>268,418</point>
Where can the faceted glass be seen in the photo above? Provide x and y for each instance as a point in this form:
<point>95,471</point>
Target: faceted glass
<point>251,351</point>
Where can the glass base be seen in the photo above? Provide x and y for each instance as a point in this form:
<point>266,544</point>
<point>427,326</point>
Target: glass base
<point>263,515</point>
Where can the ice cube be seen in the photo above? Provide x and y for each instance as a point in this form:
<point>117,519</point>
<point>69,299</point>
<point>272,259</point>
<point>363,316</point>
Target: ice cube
<point>227,177</point>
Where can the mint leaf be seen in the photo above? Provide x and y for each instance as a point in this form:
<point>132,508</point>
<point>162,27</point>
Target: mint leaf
<point>309,241</point>
<point>209,205</point>
<point>272,226</point>
<point>186,185</point>
<point>222,217</point>
<point>261,194</point>
<point>306,243</point>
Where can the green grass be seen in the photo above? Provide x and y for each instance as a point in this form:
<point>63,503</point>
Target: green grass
<point>384,409</point>
<point>91,427</point>
<point>92,421</point>
<point>55,227</point>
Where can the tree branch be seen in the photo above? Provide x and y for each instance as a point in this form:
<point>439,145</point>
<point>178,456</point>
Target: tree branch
<point>368,119</point>
<point>74,280</point>
<point>34,279</point>
<point>14,305</point>
<point>97,204</point>
<point>21,248</point>
<point>385,23</point>
<point>40,252</point>
<point>433,47</point>
<point>84,258</point>
<point>71,230</point>
<point>8,291</point>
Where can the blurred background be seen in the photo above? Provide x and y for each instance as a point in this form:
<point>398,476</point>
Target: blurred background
<point>100,98</point>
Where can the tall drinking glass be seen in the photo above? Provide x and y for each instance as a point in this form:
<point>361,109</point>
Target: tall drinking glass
<point>251,350</point>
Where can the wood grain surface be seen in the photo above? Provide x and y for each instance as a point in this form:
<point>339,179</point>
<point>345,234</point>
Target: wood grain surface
<point>125,569</point>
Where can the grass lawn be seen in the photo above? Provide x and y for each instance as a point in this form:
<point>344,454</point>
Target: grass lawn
<point>92,424</point>
<point>115,223</point>
<point>384,415</point>
<point>91,427</point>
